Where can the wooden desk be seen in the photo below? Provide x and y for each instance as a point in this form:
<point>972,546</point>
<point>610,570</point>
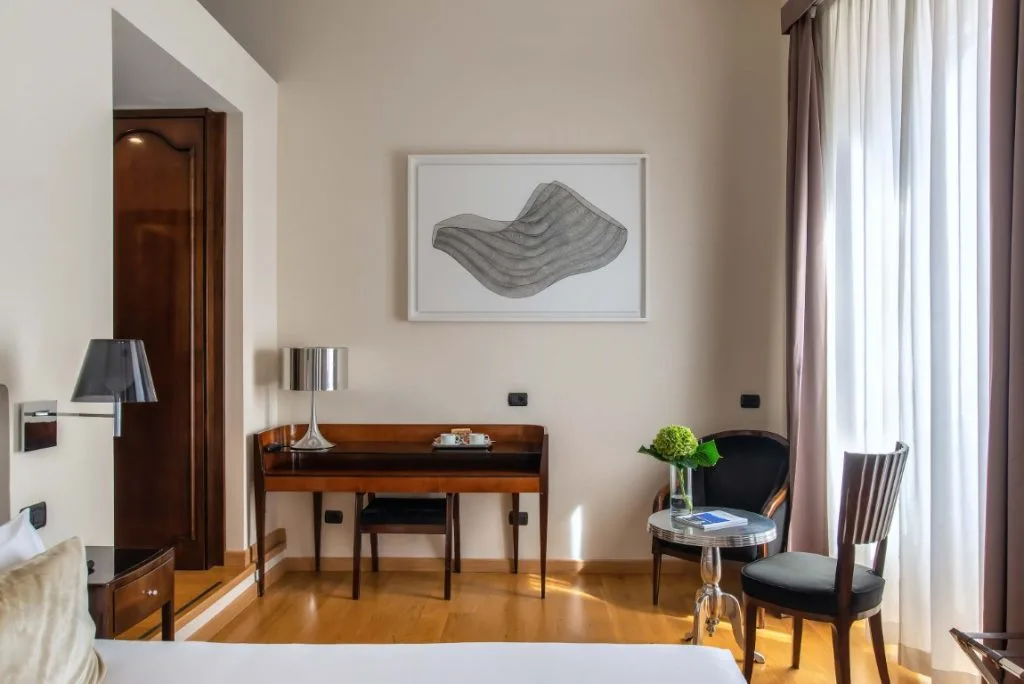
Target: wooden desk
<point>400,458</point>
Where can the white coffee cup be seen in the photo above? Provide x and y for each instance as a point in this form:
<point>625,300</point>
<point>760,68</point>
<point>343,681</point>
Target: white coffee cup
<point>449,439</point>
<point>478,438</point>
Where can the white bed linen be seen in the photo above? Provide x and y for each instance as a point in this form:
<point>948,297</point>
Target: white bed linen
<point>137,662</point>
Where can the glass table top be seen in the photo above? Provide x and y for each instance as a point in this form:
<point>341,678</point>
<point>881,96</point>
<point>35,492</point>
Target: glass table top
<point>758,530</point>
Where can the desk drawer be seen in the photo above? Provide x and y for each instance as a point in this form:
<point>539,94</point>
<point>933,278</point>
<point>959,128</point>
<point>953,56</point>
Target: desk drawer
<point>144,596</point>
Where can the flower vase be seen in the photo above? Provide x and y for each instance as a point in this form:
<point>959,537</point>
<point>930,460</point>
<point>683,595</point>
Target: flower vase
<point>680,490</point>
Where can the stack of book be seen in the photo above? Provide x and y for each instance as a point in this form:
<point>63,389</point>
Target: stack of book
<point>711,520</point>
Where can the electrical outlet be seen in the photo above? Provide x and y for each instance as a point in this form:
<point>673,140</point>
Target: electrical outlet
<point>333,517</point>
<point>750,401</point>
<point>523,519</point>
<point>36,514</point>
<point>517,398</point>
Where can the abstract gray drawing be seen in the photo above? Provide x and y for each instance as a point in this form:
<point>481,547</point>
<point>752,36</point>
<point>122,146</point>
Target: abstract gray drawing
<point>557,234</point>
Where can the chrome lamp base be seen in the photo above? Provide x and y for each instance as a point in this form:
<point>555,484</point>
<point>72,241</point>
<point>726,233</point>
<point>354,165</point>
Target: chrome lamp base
<point>312,440</point>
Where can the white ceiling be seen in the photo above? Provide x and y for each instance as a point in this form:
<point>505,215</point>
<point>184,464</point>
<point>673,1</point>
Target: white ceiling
<point>146,77</point>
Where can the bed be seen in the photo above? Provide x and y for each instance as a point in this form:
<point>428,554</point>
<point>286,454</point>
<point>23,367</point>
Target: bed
<point>130,662</point>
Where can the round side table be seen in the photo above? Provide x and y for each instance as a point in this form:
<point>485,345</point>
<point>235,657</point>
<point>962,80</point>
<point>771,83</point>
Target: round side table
<point>712,604</point>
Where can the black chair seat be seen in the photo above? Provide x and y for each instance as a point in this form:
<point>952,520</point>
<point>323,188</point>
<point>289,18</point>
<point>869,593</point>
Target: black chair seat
<point>806,582</point>
<point>744,554</point>
<point>413,511</point>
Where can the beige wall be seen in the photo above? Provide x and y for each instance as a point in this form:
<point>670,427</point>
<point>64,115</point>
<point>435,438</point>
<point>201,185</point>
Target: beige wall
<point>55,261</point>
<point>55,226</point>
<point>694,83</point>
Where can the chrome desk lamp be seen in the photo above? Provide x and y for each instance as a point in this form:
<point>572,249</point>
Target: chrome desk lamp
<point>314,369</point>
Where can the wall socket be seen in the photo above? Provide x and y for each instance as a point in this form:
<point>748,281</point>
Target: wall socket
<point>333,517</point>
<point>523,518</point>
<point>36,514</point>
<point>518,399</point>
<point>750,401</point>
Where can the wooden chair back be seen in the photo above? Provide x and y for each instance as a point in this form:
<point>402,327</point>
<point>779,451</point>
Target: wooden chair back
<point>870,490</point>
<point>871,485</point>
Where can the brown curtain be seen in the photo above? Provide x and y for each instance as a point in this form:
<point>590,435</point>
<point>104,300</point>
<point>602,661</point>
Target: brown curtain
<point>805,293</point>
<point>1004,534</point>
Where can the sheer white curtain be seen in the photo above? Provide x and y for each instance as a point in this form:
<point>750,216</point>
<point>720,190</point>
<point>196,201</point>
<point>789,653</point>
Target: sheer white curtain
<point>906,164</point>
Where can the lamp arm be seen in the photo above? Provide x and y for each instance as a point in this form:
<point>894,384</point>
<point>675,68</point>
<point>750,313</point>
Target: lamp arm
<point>62,414</point>
<point>116,415</point>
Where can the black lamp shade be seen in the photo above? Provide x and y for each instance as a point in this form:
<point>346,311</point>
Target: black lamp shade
<point>115,371</point>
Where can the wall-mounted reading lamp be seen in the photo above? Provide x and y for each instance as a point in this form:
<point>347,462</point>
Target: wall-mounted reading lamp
<point>113,371</point>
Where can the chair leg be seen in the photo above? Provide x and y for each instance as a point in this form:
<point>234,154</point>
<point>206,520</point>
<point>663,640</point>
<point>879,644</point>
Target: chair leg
<point>374,556</point>
<point>318,519</point>
<point>760,618</point>
<point>448,524</point>
<point>798,636</point>
<point>878,643</point>
<point>357,546</point>
<point>515,534</point>
<point>750,638</point>
<point>458,537</point>
<point>841,651</point>
<point>656,577</point>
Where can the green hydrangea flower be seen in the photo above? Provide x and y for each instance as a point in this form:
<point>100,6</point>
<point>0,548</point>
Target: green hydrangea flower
<point>675,442</point>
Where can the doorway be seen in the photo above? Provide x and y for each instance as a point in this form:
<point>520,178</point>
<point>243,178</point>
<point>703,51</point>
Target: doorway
<point>169,187</point>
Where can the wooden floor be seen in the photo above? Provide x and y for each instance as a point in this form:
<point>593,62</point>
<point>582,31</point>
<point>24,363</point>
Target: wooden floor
<point>407,608</point>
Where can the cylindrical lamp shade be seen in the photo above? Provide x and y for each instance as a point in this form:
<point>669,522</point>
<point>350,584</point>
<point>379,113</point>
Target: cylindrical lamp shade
<point>115,371</point>
<point>314,369</point>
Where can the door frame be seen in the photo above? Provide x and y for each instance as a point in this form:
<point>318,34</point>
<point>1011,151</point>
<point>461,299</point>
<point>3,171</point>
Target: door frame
<point>214,199</point>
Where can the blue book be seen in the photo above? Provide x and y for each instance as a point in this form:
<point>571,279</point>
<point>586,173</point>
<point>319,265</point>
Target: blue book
<point>713,520</point>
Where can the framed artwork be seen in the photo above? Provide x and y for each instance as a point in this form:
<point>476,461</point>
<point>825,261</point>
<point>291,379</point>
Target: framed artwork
<point>510,237</point>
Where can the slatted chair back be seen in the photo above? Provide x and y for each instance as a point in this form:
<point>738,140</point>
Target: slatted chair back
<point>870,490</point>
<point>871,486</point>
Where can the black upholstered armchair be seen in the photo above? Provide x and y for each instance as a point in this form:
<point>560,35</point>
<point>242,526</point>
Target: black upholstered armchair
<point>753,475</point>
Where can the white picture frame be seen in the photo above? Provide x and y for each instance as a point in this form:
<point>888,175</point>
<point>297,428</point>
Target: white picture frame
<point>527,237</point>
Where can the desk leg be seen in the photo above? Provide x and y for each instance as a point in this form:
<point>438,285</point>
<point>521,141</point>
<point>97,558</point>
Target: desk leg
<point>543,544</point>
<point>318,519</point>
<point>167,621</point>
<point>357,546</point>
<point>515,533</point>
<point>449,530</point>
<point>261,531</point>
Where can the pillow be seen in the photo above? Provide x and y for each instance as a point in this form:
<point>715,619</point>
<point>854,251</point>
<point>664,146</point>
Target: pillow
<point>46,634</point>
<point>19,541</point>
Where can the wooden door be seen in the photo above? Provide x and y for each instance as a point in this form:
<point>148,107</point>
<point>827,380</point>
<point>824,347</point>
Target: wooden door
<point>168,292</point>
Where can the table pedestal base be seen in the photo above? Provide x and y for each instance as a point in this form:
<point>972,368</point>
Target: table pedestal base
<point>712,604</point>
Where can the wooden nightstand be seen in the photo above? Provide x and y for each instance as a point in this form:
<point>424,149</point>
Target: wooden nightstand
<point>126,585</point>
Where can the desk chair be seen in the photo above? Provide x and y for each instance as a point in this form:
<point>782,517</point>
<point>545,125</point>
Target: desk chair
<point>393,515</point>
